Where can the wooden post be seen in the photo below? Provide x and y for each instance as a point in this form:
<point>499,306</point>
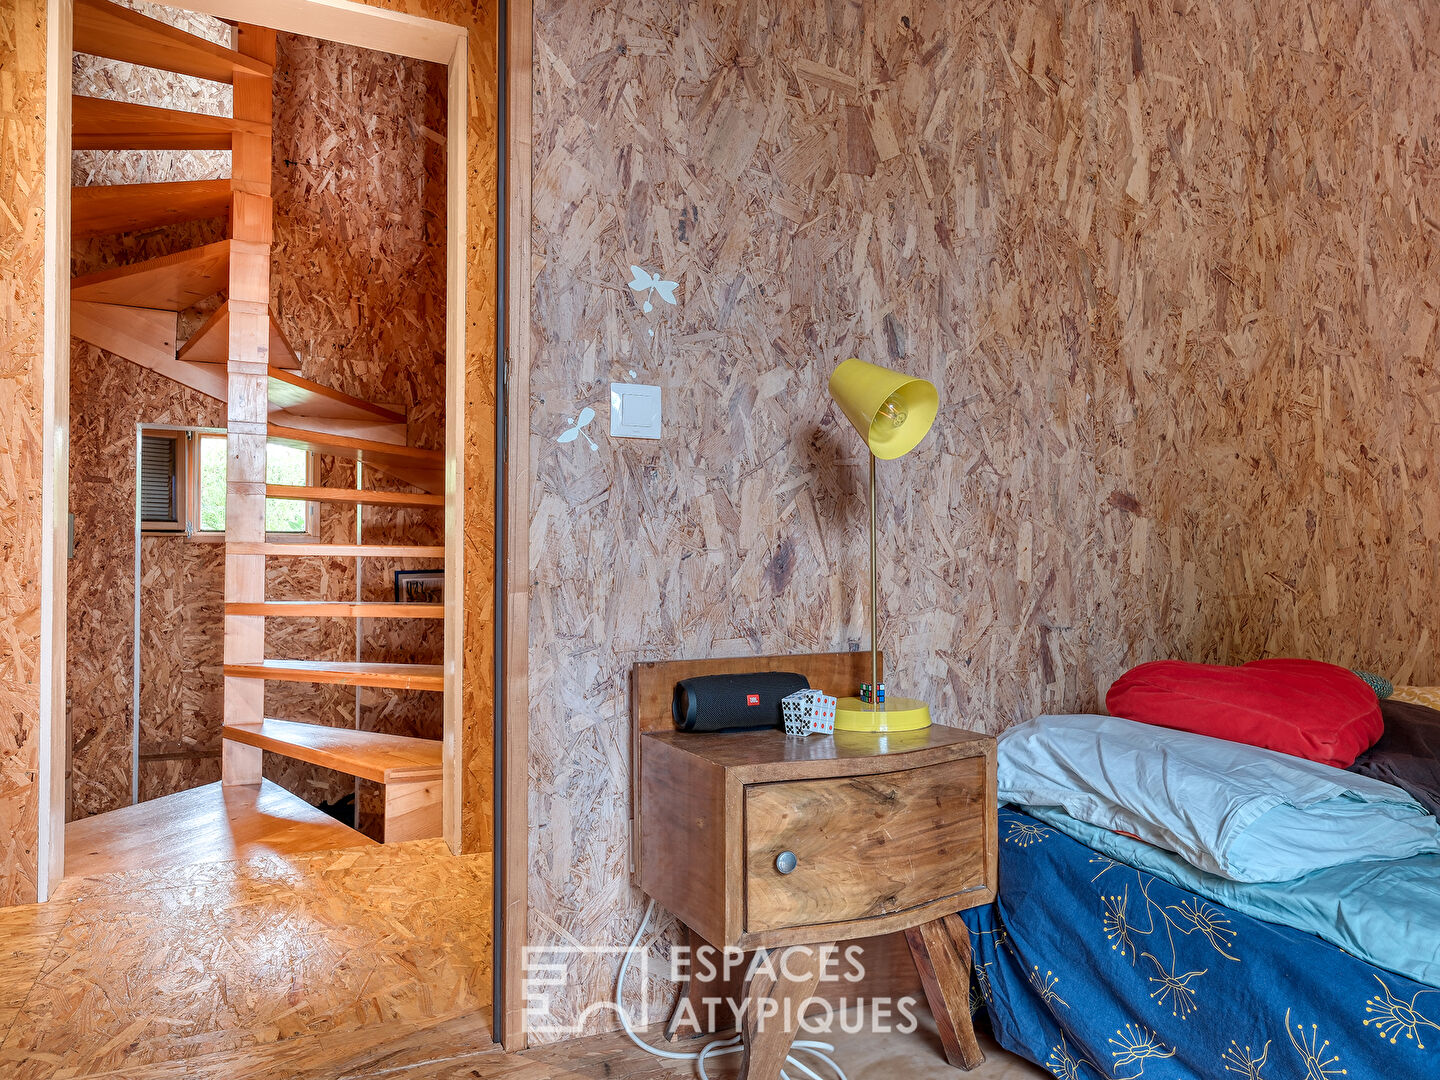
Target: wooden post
<point>247,373</point>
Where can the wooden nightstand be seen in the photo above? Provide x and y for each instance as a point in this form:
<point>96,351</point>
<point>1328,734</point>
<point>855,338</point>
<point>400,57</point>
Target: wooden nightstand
<point>760,840</point>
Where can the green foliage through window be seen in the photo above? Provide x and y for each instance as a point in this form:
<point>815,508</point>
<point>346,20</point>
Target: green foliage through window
<point>283,465</point>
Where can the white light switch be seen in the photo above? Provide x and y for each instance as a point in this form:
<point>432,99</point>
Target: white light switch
<point>634,411</point>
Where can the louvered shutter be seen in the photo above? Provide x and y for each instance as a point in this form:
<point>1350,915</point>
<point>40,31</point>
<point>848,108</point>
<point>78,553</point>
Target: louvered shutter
<point>157,479</point>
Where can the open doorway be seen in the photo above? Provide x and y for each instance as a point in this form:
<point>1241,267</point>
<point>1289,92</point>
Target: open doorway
<point>269,244</point>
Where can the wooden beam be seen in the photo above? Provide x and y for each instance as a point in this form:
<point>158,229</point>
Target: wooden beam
<point>338,551</point>
<point>513,796</point>
<point>423,468</point>
<point>248,363</point>
<point>355,495</point>
<point>337,609</point>
<point>349,23</point>
<point>514,779</point>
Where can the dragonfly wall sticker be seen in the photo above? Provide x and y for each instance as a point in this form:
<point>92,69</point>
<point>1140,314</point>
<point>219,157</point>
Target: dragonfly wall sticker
<point>651,285</point>
<point>579,424</point>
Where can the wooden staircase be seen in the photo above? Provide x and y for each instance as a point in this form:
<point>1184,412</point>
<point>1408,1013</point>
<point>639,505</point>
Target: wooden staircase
<point>241,356</point>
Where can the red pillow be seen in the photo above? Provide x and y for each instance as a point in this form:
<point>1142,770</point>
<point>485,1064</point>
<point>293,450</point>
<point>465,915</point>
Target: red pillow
<point>1301,707</point>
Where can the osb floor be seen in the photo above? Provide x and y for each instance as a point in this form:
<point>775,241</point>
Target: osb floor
<point>256,967</point>
<point>330,965</point>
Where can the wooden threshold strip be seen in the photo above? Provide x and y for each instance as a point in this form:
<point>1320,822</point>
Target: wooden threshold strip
<point>338,609</point>
<point>343,673</point>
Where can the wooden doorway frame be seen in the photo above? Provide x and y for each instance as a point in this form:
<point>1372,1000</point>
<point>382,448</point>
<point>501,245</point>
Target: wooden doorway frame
<point>512,742</point>
<point>376,28</point>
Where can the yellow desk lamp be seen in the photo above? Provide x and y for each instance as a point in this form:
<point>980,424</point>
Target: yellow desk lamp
<point>892,412</point>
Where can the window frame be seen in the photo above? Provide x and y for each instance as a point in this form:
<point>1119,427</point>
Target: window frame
<point>187,470</point>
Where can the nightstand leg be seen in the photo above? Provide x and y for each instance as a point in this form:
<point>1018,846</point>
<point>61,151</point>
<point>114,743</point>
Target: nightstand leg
<point>780,994</point>
<point>942,956</point>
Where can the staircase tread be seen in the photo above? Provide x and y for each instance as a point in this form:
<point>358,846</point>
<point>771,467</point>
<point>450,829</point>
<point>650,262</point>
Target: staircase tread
<point>104,124</point>
<point>303,396</point>
<point>344,609</point>
<point>344,672</point>
<point>345,446</point>
<point>424,469</point>
<point>171,282</point>
<point>367,754</point>
<point>112,209</point>
<point>356,495</point>
<point>116,33</point>
<point>337,551</point>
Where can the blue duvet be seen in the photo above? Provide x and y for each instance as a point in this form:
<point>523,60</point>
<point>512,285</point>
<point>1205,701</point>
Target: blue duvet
<point>1092,967</point>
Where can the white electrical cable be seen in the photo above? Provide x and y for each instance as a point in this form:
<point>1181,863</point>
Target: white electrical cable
<point>733,1044</point>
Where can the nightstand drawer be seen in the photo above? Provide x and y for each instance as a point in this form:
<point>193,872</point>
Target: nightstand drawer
<point>863,846</point>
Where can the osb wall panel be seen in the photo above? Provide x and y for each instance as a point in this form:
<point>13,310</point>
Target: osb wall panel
<point>22,261</point>
<point>1170,268</point>
<point>181,585</point>
<point>182,652</point>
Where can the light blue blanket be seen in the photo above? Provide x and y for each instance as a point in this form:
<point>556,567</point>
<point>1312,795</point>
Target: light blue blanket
<point>1239,811</point>
<point>1386,913</point>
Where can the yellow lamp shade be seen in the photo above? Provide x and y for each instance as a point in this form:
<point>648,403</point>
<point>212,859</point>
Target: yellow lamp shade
<point>892,412</point>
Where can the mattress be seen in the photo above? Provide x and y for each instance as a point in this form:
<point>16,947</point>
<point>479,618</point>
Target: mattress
<point>1093,967</point>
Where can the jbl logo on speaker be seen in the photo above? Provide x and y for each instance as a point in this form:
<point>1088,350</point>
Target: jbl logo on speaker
<point>752,699</point>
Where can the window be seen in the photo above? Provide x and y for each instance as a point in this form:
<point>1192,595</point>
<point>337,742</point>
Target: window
<point>162,480</point>
<point>283,465</point>
<point>182,485</point>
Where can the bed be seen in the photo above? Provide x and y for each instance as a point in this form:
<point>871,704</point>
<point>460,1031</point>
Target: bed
<point>1105,956</point>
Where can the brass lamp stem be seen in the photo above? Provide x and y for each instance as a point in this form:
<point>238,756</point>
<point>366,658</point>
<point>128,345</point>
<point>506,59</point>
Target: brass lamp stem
<point>874,602</point>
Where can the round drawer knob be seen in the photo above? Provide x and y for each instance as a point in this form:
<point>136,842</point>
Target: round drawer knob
<point>785,862</point>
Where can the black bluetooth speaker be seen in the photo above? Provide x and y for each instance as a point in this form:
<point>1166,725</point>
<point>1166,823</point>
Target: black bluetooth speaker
<point>733,702</point>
